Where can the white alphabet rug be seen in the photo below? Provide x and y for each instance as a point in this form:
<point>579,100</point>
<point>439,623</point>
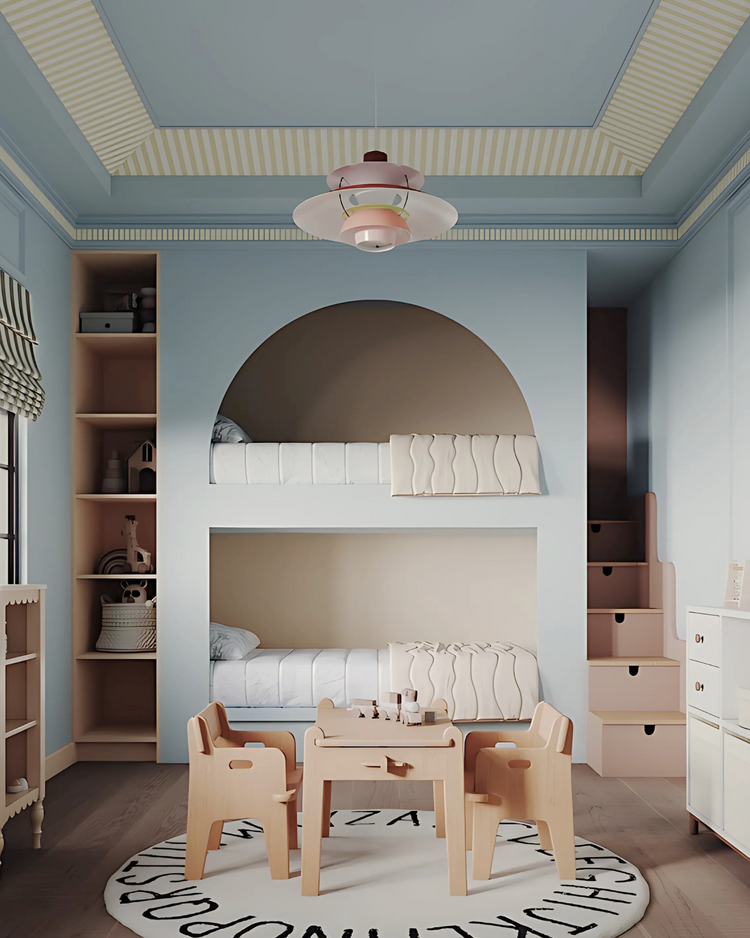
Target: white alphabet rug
<point>384,875</point>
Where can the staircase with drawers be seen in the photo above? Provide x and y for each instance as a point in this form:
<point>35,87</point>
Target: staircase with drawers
<point>635,724</point>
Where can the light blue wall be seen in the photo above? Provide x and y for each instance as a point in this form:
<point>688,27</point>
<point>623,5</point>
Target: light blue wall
<point>218,303</point>
<point>689,381</point>
<point>41,261</point>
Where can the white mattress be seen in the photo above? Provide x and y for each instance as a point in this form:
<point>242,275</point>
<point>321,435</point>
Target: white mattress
<point>479,681</point>
<point>301,463</point>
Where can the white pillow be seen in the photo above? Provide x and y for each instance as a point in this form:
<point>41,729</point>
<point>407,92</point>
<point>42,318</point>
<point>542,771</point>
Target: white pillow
<point>227,431</point>
<point>228,644</point>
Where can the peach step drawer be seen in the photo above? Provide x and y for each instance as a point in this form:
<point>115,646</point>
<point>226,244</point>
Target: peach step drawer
<point>614,541</point>
<point>625,634</point>
<point>736,787</point>
<point>703,691</point>
<point>617,586</point>
<point>703,638</point>
<point>637,743</point>
<point>645,685</point>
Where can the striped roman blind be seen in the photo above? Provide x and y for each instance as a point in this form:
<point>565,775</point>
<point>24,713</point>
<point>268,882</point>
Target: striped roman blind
<point>20,387</point>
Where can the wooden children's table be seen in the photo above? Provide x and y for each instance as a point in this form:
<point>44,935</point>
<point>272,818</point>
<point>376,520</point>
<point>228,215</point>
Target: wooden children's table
<point>341,746</point>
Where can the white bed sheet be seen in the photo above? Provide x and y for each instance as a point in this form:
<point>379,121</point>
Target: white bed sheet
<point>479,681</point>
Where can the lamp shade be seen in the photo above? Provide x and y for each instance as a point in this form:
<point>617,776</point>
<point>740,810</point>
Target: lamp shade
<point>375,229</point>
<point>375,206</point>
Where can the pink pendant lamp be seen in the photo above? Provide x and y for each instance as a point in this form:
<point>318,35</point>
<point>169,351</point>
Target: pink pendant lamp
<point>375,206</point>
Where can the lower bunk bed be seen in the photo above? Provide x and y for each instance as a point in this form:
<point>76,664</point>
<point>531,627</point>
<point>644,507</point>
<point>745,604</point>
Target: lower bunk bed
<point>487,681</point>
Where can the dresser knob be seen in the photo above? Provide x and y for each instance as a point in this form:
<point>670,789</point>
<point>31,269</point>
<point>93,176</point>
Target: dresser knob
<point>698,685</point>
<point>698,638</point>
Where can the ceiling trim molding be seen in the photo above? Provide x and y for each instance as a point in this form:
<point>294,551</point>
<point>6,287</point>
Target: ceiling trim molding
<point>508,234</point>
<point>15,174</point>
<point>678,49</point>
<point>731,180</point>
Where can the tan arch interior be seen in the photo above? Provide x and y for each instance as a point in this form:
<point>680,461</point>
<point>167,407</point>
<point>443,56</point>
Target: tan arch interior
<point>361,371</point>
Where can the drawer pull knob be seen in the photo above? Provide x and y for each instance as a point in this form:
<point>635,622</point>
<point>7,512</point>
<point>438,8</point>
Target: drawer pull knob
<point>698,685</point>
<point>698,638</point>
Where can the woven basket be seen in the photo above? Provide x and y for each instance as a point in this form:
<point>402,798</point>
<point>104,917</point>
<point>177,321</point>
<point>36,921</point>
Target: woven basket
<point>127,627</point>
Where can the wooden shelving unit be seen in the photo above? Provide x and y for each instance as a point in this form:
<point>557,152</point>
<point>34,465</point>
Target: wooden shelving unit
<point>22,703</point>
<point>114,395</point>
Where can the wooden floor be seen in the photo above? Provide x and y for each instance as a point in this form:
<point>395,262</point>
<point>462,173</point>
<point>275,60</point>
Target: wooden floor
<point>99,814</point>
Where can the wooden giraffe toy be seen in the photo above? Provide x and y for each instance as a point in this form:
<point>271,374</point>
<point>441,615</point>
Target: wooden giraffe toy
<point>138,558</point>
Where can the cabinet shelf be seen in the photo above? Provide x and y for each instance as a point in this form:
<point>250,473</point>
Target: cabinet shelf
<point>119,344</point>
<point>118,656</point>
<point>118,421</point>
<point>13,727</point>
<point>125,497</point>
<point>116,576</point>
<point>28,796</point>
<point>119,733</point>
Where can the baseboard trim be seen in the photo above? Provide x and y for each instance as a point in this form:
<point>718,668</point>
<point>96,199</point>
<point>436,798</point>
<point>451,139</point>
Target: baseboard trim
<point>57,762</point>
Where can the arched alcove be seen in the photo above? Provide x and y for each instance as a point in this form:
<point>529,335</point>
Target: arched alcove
<point>361,371</point>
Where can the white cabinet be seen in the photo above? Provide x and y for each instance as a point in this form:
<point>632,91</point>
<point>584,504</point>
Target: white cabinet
<point>705,769</point>
<point>737,789</point>
<point>718,781</point>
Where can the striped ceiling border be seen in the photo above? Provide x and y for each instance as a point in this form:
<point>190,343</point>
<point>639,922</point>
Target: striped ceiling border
<point>678,50</point>
<point>312,151</point>
<point>69,42</point>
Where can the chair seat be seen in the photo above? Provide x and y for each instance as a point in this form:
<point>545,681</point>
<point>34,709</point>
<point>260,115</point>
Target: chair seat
<point>294,778</point>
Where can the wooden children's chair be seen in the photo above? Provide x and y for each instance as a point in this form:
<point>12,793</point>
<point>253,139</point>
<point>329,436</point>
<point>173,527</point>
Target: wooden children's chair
<point>530,781</point>
<point>229,782</point>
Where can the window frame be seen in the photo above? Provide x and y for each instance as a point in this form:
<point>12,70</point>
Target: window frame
<point>11,466</point>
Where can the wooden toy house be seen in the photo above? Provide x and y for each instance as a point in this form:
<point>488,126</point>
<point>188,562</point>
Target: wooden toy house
<point>142,469</point>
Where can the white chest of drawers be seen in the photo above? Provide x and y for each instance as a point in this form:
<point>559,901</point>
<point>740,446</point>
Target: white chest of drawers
<point>718,774</point>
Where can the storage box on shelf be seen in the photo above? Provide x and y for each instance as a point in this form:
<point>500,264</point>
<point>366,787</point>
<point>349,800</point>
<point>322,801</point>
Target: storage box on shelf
<point>22,703</point>
<point>114,392</point>
<point>718,642</point>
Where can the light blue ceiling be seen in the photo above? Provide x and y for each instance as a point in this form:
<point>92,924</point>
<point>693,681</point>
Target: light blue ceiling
<point>297,63</point>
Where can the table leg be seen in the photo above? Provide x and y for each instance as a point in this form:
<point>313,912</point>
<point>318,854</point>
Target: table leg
<point>438,793</point>
<point>455,831</point>
<point>326,828</point>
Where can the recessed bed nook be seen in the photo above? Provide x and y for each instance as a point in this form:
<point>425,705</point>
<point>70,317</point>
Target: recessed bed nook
<point>376,392</point>
<point>357,614</point>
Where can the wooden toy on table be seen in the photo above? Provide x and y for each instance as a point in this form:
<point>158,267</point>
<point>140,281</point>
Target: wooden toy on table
<point>229,782</point>
<point>528,781</point>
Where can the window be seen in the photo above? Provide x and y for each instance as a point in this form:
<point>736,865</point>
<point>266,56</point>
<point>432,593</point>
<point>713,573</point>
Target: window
<point>8,498</point>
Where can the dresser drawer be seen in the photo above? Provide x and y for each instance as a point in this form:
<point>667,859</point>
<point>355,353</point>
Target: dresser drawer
<point>703,687</point>
<point>703,638</point>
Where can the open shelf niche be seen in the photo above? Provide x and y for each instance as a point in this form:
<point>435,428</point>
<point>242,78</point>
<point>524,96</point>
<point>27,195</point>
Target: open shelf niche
<point>114,395</point>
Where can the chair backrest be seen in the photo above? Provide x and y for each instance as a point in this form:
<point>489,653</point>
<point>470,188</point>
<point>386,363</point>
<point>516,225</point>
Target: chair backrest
<point>553,728</point>
<point>205,728</point>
